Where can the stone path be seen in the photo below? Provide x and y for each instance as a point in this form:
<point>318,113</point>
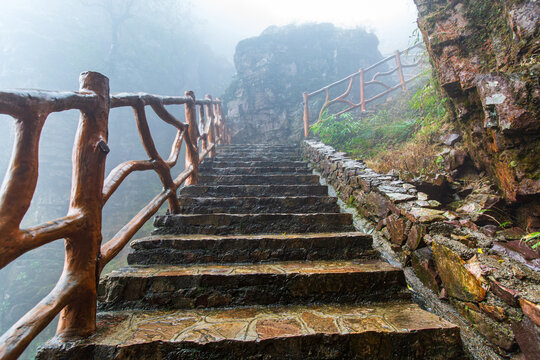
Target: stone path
<point>260,264</point>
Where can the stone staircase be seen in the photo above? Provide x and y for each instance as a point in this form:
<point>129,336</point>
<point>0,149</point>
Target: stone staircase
<point>260,264</point>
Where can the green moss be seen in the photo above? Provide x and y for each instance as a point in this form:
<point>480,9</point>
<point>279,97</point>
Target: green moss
<point>489,32</point>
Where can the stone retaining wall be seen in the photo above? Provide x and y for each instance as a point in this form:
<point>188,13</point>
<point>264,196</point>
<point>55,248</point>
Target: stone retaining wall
<point>489,278</point>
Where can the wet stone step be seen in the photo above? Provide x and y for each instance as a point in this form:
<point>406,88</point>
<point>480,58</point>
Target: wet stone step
<point>173,287</point>
<point>257,146</point>
<point>196,249</point>
<point>252,205</point>
<point>264,155</point>
<point>210,163</point>
<point>253,190</point>
<point>278,158</point>
<point>288,170</point>
<point>258,151</point>
<point>223,224</point>
<point>382,331</point>
<point>294,155</point>
<point>269,179</point>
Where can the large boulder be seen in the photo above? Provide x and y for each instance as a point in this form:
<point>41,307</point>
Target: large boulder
<point>486,56</point>
<point>274,69</point>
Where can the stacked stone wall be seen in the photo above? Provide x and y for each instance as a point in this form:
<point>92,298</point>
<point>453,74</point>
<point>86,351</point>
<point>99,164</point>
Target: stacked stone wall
<point>490,279</point>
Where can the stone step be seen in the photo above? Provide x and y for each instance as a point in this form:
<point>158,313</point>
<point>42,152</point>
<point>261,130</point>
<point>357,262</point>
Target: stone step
<point>273,155</point>
<point>197,249</point>
<point>269,179</point>
<point>259,150</point>
<point>277,158</point>
<point>253,190</point>
<point>210,163</point>
<point>251,205</point>
<point>285,170</point>
<point>257,146</point>
<point>196,286</point>
<point>299,332</point>
<point>223,224</point>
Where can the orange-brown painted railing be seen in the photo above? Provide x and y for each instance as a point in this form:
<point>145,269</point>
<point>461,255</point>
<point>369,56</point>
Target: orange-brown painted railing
<point>75,295</point>
<point>363,84</point>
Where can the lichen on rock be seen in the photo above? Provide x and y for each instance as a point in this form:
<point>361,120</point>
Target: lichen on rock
<point>486,56</point>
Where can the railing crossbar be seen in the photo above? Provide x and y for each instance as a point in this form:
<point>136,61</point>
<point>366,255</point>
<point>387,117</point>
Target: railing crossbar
<point>75,294</point>
<point>363,83</point>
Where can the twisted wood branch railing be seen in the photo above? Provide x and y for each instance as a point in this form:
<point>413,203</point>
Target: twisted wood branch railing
<point>75,295</point>
<point>363,84</point>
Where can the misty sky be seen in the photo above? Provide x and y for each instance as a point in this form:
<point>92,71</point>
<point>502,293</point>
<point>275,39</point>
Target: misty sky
<point>228,21</point>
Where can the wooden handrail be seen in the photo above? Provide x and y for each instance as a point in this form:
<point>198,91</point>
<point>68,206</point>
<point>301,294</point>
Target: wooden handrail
<point>362,85</point>
<point>75,295</point>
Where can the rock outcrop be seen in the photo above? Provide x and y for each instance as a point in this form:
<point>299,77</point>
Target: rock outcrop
<point>486,56</point>
<point>273,69</point>
<point>490,279</point>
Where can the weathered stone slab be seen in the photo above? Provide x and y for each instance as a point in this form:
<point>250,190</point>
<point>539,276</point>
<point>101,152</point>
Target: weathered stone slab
<point>456,279</point>
<point>497,333</point>
<point>253,190</point>
<point>193,249</point>
<point>266,179</point>
<point>398,228</point>
<point>530,309</point>
<point>399,197</point>
<point>519,251</point>
<point>424,215</point>
<point>384,331</point>
<point>220,224</point>
<point>243,163</point>
<point>255,170</point>
<point>415,239</point>
<point>528,337</point>
<point>509,296</point>
<point>247,205</point>
<point>424,267</point>
<point>170,287</point>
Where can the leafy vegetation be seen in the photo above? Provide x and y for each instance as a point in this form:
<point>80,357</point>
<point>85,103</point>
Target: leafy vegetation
<point>401,134</point>
<point>533,239</point>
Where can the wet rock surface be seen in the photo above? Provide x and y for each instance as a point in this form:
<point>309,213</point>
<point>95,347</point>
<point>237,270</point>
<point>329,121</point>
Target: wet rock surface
<point>385,331</point>
<point>465,256</point>
<point>485,54</point>
<point>276,204</point>
<point>194,249</point>
<point>282,275</point>
<point>252,223</point>
<point>166,286</point>
<point>253,190</point>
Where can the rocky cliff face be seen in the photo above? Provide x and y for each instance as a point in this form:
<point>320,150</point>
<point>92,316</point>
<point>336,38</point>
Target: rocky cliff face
<point>486,56</point>
<point>273,69</point>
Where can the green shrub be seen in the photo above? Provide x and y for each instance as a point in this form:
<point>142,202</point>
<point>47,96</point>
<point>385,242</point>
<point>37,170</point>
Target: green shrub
<point>410,116</point>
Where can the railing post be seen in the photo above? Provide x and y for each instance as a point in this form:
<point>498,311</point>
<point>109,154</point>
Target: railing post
<point>400,71</point>
<point>202,121</point>
<point>218,123</point>
<point>362,91</point>
<point>306,115</point>
<point>192,149</point>
<point>221,122</point>
<point>226,134</point>
<point>81,266</point>
<point>212,130</point>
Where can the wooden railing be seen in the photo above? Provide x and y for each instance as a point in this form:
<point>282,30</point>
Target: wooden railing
<point>376,80</point>
<point>75,295</point>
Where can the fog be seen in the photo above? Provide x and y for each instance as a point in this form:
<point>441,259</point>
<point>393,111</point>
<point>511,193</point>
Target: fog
<point>224,23</point>
<point>161,47</point>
